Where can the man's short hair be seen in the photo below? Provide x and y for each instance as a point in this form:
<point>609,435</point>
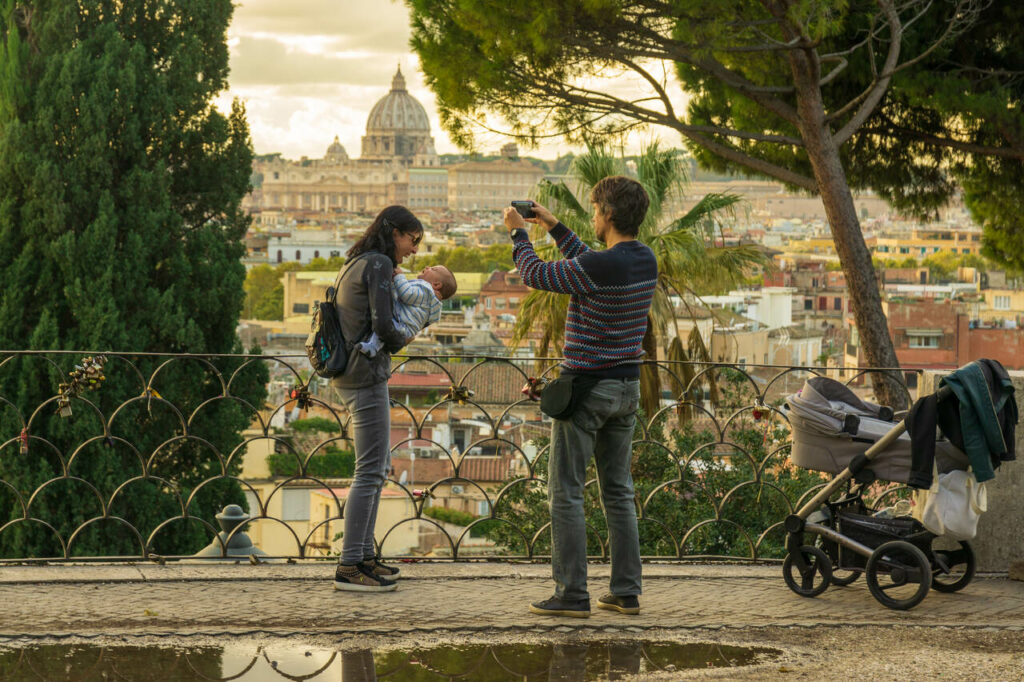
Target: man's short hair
<point>448,284</point>
<point>623,201</point>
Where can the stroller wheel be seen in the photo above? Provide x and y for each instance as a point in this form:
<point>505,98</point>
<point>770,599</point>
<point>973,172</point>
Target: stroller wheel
<point>952,569</point>
<point>899,575</point>
<point>814,579</point>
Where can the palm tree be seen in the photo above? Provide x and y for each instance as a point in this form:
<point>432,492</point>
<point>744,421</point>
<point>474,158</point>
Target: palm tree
<point>690,260</point>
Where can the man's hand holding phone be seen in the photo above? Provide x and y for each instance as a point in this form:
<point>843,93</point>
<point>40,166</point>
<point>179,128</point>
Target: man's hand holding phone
<point>521,212</point>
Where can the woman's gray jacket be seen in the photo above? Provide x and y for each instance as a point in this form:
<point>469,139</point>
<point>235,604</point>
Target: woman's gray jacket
<point>365,305</point>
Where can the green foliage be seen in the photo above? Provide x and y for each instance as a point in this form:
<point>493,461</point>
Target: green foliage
<point>122,227</point>
<point>315,424</point>
<point>466,259</point>
<point>453,516</point>
<point>331,463</point>
<point>264,294</point>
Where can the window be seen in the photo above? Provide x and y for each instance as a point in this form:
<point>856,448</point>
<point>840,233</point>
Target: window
<point>513,302</point>
<point>1001,303</point>
<point>483,508</point>
<point>837,303</point>
<point>280,256</point>
<point>490,303</point>
<point>252,502</point>
<point>316,254</point>
<point>300,308</point>
<point>298,255</point>
<point>499,303</point>
<point>295,504</point>
<point>923,341</point>
<point>808,304</point>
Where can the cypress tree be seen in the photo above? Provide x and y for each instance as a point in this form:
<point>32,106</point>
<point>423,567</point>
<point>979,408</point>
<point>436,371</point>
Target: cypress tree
<point>121,230</point>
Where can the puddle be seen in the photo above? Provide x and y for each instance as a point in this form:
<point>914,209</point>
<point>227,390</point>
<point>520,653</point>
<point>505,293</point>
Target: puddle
<point>580,661</point>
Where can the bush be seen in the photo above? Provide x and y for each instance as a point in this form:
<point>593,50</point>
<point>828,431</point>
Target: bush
<point>329,464</point>
<point>315,424</point>
<point>453,516</point>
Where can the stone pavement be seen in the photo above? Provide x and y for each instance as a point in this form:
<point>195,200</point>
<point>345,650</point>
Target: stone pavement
<point>285,599</point>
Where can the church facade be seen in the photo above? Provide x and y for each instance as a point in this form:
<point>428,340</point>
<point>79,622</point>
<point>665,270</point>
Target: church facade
<point>398,165</point>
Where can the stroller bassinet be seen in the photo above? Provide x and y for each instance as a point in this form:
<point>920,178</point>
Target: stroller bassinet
<point>831,425</point>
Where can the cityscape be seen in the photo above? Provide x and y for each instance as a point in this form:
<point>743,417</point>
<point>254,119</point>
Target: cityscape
<point>748,390</point>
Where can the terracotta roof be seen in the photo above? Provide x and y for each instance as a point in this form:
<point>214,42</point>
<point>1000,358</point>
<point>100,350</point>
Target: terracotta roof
<point>478,469</point>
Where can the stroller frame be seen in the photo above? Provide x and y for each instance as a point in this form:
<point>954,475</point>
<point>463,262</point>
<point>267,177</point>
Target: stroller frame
<point>902,562</point>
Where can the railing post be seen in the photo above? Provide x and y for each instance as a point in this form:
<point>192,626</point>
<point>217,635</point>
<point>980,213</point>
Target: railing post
<point>999,543</point>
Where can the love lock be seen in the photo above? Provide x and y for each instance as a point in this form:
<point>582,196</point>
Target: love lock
<point>459,394</point>
<point>300,394</point>
<point>532,388</point>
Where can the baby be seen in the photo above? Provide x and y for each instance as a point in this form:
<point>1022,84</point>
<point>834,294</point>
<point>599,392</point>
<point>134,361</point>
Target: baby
<point>417,303</point>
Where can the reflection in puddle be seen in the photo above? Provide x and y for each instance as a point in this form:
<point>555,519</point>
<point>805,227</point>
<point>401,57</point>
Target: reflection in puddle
<point>604,660</point>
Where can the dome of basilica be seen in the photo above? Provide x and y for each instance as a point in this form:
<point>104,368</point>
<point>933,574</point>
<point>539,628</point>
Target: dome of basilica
<point>336,152</point>
<point>398,111</point>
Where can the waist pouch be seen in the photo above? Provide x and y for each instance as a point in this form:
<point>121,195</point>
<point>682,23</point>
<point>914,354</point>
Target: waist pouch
<point>562,397</point>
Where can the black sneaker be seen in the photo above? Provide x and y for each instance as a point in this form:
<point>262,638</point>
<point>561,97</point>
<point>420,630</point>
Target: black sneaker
<point>628,604</point>
<point>574,608</point>
<point>380,570</point>
<point>358,579</point>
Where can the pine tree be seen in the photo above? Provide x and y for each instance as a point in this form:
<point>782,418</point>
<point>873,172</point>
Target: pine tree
<point>120,220</point>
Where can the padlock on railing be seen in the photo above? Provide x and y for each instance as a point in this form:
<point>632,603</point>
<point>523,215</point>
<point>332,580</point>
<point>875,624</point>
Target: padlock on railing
<point>300,394</point>
<point>533,386</point>
<point>459,394</point>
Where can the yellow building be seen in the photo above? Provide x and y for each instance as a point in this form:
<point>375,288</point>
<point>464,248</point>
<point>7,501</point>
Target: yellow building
<point>1001,304</point>
<point>923,242</point>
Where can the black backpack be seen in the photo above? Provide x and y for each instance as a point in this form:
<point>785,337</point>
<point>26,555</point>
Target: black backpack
<point>326,346</point>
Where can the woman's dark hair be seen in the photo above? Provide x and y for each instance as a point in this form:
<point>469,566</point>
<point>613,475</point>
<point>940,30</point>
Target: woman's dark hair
<point>380,235</point>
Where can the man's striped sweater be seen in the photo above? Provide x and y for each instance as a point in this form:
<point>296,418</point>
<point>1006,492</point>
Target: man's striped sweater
<point>610,295</point>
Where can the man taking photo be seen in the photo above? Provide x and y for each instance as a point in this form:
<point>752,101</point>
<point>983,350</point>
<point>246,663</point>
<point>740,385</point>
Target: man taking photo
<point>610,296</point>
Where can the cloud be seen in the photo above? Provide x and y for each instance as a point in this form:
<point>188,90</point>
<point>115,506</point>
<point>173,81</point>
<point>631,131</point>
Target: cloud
<point>380,25</point>
<point>268,61</point>
<point>312,69</point>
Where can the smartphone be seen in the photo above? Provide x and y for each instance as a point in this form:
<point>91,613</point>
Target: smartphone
<point>523,208</point>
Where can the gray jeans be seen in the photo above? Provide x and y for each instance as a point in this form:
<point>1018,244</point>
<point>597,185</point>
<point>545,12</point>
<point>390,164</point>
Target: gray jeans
<point>602,427</point>
<point>371,433</point>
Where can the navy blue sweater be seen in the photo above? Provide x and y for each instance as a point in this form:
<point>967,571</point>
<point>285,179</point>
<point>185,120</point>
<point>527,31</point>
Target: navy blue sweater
<point>610,295</point>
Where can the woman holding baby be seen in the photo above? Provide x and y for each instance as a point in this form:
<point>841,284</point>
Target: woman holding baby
<point>365,307</point>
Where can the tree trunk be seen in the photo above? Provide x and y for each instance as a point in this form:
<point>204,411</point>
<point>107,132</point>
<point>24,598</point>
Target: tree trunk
<point>854,256</point>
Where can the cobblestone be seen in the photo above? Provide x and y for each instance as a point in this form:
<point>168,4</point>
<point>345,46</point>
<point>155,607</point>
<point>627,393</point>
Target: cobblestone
<point>90,600</point>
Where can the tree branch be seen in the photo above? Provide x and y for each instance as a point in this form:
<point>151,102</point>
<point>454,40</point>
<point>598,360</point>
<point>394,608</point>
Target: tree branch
<point>969,147</point>
<point>881,84</point>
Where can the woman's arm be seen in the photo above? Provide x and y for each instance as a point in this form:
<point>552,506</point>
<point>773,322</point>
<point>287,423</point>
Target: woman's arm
<point>377,278</point>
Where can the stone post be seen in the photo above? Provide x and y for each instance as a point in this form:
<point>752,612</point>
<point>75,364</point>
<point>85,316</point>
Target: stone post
<point>999,544</point>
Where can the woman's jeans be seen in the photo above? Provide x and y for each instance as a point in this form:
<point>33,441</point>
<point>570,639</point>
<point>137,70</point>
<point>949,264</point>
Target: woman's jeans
<point>371,429</point>
<point>602,427</point>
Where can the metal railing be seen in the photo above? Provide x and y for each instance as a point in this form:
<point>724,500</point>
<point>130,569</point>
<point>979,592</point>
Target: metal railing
<point>134,458</point>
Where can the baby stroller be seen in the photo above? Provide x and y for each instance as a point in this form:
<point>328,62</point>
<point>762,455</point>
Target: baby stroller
<point>836,432</point>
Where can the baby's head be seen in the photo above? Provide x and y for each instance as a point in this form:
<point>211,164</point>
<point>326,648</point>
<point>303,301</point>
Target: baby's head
<point>442,279</point>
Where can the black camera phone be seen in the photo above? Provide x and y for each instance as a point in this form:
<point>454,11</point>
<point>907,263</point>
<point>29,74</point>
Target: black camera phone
<point>523,208</point>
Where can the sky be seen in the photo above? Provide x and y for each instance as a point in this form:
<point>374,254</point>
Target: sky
<point>308,70</point>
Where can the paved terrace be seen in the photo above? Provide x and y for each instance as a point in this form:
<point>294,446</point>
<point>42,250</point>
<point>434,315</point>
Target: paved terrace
<point>975,634</point>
